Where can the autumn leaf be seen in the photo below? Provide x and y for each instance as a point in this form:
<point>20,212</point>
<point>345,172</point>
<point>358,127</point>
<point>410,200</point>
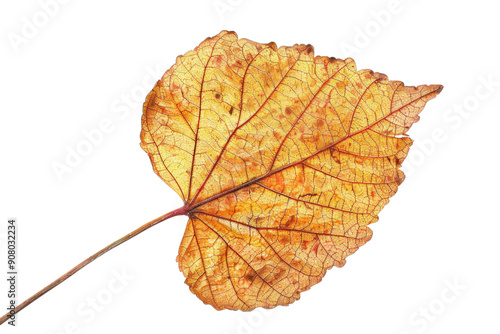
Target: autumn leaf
<point>282,158</point>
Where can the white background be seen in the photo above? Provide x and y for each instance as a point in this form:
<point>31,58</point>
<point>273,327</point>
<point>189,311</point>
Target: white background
<point>77,69</point>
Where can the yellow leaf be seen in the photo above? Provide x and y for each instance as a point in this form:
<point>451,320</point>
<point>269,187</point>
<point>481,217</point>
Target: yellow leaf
<point>282,158</point>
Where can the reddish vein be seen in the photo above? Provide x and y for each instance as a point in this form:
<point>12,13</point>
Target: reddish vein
<point>239,126</point>
<point>199,118</point>
<point>194,205</point>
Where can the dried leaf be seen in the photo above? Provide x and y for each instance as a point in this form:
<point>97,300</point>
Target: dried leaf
<point>283,159</point>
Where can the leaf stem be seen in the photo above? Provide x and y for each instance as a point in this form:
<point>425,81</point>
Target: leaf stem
<point>180,211</point>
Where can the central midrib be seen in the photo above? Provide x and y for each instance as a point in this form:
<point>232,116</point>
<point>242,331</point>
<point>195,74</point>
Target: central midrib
<point>193,206</point>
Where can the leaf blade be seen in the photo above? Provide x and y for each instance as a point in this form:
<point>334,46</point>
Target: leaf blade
<point>284,162</point>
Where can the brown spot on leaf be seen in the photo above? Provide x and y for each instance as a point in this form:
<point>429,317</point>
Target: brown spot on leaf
<point>309,49</point>
<point>250,276</point>
<point>218,60</point>
<point>277,274</point>
<point>290,222</point>
<point>315,248</point>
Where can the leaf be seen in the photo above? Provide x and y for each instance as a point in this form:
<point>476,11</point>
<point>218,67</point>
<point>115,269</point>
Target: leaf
<point>283,159</point>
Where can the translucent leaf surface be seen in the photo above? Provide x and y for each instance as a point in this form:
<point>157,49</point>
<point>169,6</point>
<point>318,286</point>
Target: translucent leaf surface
<point>283,159</point>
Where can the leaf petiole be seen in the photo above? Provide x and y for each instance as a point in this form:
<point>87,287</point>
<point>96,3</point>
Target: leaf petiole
<point>180,211</point>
